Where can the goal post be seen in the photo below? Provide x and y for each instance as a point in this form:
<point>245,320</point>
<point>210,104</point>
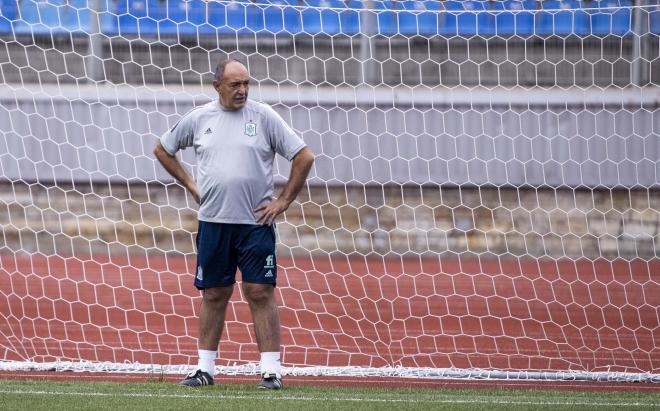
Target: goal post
<point>484,202</point>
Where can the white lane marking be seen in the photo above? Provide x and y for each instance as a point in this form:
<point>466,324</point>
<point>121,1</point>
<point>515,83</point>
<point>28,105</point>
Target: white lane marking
<point>476,400</point>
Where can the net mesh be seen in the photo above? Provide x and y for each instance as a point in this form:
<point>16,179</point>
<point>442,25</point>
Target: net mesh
<point>484,201</point>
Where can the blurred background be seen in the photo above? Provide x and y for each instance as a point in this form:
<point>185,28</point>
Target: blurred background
<point>482,96</point>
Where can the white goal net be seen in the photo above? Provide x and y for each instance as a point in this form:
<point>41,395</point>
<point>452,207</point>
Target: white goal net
<point>484,203</point>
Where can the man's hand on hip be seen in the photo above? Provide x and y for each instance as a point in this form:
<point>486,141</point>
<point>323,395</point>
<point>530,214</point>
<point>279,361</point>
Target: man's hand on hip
<point>270,211</point>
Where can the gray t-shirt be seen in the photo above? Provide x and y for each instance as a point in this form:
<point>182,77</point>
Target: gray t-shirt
<point>235,151</point>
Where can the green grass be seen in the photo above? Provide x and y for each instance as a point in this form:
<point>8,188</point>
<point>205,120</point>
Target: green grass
<point>43,395</point>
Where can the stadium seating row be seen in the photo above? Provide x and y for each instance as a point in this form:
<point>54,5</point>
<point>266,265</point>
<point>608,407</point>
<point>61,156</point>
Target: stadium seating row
<point>464,18</point>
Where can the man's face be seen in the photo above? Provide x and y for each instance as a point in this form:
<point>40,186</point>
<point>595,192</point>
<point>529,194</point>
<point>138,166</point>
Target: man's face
<point>234,86</point>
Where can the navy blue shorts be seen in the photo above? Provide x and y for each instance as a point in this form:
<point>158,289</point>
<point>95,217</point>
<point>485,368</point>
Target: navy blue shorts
<point>221,248</point>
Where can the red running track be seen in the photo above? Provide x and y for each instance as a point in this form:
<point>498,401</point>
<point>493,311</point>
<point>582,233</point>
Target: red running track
<point>498,313</point>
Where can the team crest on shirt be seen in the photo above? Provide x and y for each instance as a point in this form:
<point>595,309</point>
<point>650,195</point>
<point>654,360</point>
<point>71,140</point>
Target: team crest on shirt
<point>250,129</point>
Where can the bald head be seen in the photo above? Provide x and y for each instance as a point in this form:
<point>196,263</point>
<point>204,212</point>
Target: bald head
<point>220,68</point>
<point>232,82</point>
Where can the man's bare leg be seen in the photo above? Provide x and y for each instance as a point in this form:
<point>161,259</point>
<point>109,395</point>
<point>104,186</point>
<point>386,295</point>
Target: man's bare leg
<point>265,314</point>
<point>212,316</point>
<point>211,323</point>
<point>266,318</point>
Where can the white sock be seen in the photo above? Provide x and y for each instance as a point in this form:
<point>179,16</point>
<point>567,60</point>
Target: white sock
<point>206,361</point>
<point>270,363</point>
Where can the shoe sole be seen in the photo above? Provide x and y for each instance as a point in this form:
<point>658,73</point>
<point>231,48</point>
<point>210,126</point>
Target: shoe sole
<point>195,382</point>
<point>263,387</point>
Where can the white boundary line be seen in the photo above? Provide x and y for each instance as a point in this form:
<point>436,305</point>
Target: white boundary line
<point>474,400</point>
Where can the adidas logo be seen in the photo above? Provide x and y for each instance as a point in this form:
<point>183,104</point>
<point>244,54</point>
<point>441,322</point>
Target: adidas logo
<point>208,131</point>
<point>269,273</point>
<point>200,273</point>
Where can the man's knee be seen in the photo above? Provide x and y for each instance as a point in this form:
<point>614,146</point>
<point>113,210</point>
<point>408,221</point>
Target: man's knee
<point>259,294</point>
<point>217,296</point>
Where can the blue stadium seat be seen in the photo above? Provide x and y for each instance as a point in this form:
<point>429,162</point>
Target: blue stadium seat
<point>254,19</point>
<point>248,17</point>
<point>331,18</point>
<point>292,20</point>
<point>621,22</point>
<point>131,19</point>
<point>386,17</point>
<point>243,17</point>
<point>600,22</point>
<point>217,21</point>
<point>52,16</point>
<point>197,20</point>
<point>186,18</point>
<point>554,19</point>
<point>145,13</point>
<point>524,23</point>
<point>426,17</point>
<point>158,17</point>
<point>30,21</point>
<point>511,17</point>
<point>69,18</point>
<point>198,16</point>
<point>273,16</point>
<point>323,21</point>
<point>467,20</point>
<point>406,18</point>
<point>428,20</point>
<point>654,21</point>
<point>236,18</point>
<point>38,17</point>
<point>126,23</point>
<point>349,21</point>
<point>85,15</point>
<point>611,21</point>
<point>524,20</point>
<point>582,20</point>
<point>505,21</point>
<point>448,23</point>
<point>7,15</point>
<point>487,21</point>
<point>167,18</point>
<point>471,17</point>
<point>311,21</point>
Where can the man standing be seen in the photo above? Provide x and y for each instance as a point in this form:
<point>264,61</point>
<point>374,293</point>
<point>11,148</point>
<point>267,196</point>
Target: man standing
<point>235,141</point>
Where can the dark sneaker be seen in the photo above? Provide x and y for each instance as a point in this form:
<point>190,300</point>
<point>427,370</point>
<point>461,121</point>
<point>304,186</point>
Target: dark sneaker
<point>197,378</point>
<point>271,382</point>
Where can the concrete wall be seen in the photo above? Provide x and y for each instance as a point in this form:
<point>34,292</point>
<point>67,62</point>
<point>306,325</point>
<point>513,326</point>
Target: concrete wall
<point>393,220</point>
<point>361,136</point>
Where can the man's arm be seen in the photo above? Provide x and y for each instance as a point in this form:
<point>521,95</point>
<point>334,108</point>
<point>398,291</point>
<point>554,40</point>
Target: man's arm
<point>300,166</point>
<point>176,170</point>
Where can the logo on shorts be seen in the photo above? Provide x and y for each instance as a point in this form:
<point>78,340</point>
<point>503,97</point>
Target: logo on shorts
<point>250,129</point>
<point>269,262</point>
<point>269,273</point>
<point>208,131</point>
<point>200,273</point>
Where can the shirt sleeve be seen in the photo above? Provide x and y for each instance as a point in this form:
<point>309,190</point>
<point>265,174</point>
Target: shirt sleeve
<point>181,135</point>
<point>284,140</point>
